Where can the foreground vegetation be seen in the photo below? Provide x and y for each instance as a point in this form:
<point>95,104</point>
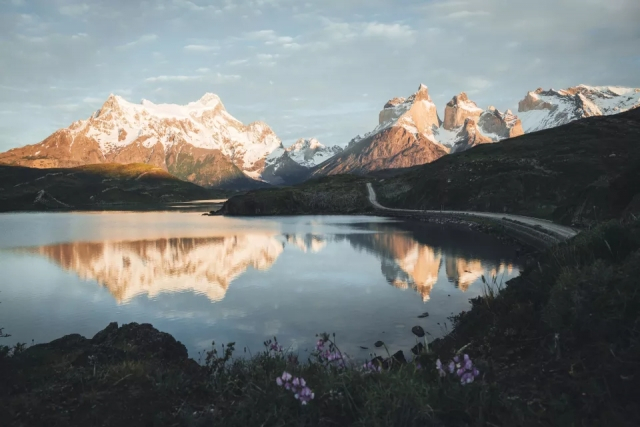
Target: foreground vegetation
<point>94,187</point>
<point>559,345</point>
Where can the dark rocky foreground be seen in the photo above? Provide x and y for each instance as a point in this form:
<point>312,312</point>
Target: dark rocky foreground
<point>128,375</point>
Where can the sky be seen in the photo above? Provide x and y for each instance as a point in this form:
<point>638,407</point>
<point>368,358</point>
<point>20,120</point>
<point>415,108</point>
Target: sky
<point>319,69</point>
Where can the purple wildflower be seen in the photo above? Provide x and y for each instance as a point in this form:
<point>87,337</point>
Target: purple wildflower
<point>371,367</point>
<point>276,347</point>
<point>466,378</point>
<point>465,371</point>
<point>298,386</point>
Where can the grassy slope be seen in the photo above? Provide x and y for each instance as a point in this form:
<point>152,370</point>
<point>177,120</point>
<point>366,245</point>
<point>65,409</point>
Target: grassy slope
<point>93,186</point>
<point>340,194</point>
<point>559,173</point>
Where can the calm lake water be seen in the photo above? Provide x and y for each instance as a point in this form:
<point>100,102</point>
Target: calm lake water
<point>225,279</point>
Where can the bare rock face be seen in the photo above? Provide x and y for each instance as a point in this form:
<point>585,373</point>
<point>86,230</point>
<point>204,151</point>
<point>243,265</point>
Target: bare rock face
<point>469,136</point>
<point>504,125</point>
<point>533,102</point>
<point>395,147</point>
<point>418,111</point>
<point>395,101</point>
<point>458,110</point>
<point>403,138</point>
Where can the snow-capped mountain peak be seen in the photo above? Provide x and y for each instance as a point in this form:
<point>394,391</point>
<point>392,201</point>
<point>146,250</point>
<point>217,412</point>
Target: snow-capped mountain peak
<point>417,114</point>
<point>542,109</point>
<point>210,100</point>
<point>310,152</point>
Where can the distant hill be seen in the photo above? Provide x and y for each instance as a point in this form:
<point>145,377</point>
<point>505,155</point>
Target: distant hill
<point>94,187</point>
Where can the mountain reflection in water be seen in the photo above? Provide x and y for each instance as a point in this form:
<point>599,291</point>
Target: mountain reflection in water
<point>208,265</point>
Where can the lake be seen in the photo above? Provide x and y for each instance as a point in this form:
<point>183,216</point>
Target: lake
<point>205,278</point>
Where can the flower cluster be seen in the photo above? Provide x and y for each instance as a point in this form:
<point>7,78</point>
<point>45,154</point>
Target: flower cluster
<point>273,347</point>
<point>297,386</point>
<point>371,367</point>
<point>330,354</point>
<point>464,369</point>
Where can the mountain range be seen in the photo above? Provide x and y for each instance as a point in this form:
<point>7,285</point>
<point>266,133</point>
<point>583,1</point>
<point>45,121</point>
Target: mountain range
<point>202,143</point>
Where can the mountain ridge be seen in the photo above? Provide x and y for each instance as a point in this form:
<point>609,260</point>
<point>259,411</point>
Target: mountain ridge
<point>201,142</point>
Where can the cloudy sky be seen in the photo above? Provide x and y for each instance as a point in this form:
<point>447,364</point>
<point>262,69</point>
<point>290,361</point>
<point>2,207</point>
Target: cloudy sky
<point>308,68</point>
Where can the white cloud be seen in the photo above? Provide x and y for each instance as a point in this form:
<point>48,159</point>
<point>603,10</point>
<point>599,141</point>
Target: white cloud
<point>267,59</point>
<point>291,46</point>
<point>467,14</point>
<point>67,107</point>
<point>224,78</point>
<point>172,78</point>
<point>352,31</point>
<point>476,84</point>
<point>200,48</point>
<point>217,77</point>
<point>269,37</point>
<point>237,62</point>
<point>147,38</point>
<point>203,70</point>
<point>392,31</point>
<point>74,9</point>
<point>192,6</point>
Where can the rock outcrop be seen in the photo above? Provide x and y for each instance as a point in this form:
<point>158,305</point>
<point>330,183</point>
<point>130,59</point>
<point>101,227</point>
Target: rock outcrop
<point>403,138</point>
<point>458,110</point>
<point>504,125</point>
<point>469,136</point>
